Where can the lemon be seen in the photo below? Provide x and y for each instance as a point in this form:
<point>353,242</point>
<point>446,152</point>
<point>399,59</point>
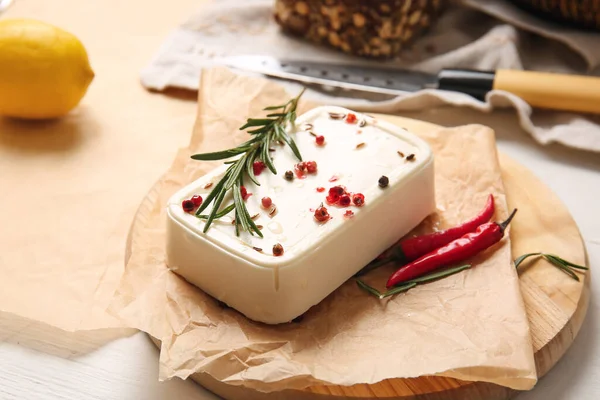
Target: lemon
<point>44,70</point>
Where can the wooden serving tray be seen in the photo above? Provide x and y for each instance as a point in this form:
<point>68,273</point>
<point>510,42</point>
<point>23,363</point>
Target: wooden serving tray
<point>556,304</point>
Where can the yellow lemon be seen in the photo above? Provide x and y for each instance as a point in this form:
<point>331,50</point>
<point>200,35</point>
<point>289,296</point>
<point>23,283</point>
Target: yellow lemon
<point>44,70</point>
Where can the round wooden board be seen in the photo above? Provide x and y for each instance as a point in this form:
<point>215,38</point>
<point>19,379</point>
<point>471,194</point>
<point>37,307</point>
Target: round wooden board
<point>556,304</point>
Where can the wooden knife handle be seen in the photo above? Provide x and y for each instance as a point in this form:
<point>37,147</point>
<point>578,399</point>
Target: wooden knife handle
<point>552,90</point>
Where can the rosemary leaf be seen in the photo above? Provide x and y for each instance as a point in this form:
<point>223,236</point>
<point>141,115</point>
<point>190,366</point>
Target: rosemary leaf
<point>438,275</point>
<point>259,130</point>
<point>568,263</point>
<point>220,155</point>
<point>522,258</point>
<point>290,142</point>
<point>213,194</point>
<point>214,210</point>
<point>563,268</point>
<point>250,168</point>
<point>272,108</point>
<point>368,288</point>
<point>240,207</point>
<point>257,122</point>
<point>237,223</point>
<point>250,226</point>
<point>255,228</point>
<point>266,156</point>
<point>220,214</point>
<point>281,114</point>
<point>398,289</point>
<point>236,172</point>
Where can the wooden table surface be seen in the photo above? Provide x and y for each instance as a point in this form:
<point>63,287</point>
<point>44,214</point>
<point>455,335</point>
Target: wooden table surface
<point>39,362</point>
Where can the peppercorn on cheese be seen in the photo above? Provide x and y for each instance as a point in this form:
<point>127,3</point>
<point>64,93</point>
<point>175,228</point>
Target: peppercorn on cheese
<point>362,184</point>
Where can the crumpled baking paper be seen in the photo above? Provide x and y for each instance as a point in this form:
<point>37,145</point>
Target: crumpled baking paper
<point>470,326</point>
<point>465,37</point>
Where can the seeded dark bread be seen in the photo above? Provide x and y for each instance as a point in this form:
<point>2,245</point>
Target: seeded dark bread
<point>578,13</point>
<point>366,28</point>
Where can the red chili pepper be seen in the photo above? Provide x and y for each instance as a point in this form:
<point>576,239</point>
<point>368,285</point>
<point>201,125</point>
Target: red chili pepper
<point>458,250</point>
<point>412,248</point>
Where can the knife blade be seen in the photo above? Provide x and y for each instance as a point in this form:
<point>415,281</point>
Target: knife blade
<point>392,82</point>
<point>539,89</point>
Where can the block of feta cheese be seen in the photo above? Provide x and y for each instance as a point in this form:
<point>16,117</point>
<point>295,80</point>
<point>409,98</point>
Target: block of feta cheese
<point>318,256</point>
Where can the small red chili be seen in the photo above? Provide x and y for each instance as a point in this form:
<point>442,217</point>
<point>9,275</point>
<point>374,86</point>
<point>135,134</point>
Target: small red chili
<point>188,205</point>
<point>467,246</point>
<point>412,248</point>
<point>351,118</point>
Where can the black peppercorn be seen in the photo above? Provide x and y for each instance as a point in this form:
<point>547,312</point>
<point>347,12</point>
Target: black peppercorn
<point>384,181</point>
<point>289,175</point>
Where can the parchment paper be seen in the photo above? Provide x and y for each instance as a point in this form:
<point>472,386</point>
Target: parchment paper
<point>470,326</point>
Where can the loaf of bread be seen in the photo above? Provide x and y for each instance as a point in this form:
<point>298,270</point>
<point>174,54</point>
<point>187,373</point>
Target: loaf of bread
<point>367,28</point>
<point>579,13</point>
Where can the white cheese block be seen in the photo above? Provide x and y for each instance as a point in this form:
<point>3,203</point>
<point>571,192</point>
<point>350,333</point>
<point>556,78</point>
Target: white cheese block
<point>318,257</point>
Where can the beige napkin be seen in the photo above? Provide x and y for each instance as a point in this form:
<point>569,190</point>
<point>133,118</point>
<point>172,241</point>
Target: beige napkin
<point>470,326</point>
<point>462,38</point>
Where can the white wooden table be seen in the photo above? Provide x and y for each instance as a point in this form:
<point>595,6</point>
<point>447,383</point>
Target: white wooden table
<point>42,363</point>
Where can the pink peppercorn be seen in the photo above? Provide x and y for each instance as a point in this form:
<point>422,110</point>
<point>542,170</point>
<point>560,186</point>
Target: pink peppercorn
<point>266,202</point>
<point>197,200</point>
<point>188,205</point>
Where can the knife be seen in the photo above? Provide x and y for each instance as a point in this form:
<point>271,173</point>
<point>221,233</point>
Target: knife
<point>539,89</point>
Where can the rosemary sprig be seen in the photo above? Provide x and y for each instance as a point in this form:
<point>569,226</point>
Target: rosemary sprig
<point>264,132</point>
<point>396,256</point>
<point>434,276</point>
<point>567,267</point>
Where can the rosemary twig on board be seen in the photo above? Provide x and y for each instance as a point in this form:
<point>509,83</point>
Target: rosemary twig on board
<point>404,286</point>
<point>567,267</point>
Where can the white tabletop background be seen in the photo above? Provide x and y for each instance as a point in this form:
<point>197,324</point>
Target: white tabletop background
<point>41,363</point>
